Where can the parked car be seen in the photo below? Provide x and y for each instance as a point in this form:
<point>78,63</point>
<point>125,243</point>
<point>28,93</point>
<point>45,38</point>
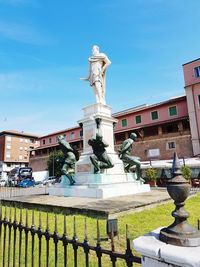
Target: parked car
<point>17,175</point>
<point>27,183</point>
<point>50,180</point>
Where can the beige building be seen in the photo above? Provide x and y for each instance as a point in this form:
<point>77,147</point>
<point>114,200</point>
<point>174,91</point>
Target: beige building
<point>14,150</point>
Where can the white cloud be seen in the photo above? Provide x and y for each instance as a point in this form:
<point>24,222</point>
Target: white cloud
<point>23,33</point>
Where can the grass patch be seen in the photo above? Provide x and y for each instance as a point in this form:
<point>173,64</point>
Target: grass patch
<point>139,224</point>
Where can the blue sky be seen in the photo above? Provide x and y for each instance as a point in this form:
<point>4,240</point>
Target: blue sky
<point>45,45</point>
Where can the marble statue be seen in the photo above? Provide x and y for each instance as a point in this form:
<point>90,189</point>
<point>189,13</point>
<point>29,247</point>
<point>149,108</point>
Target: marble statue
<point>100,159</point>
<point>69,159</point>
<point>125,155</point>
<point>97,71</point>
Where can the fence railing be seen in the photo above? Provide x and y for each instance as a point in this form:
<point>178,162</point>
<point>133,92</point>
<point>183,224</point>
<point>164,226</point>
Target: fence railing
<point>8,192</point>
<point>24,244</point>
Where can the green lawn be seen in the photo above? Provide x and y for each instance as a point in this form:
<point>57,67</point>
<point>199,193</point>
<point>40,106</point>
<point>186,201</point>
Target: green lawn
<point>138,223</point>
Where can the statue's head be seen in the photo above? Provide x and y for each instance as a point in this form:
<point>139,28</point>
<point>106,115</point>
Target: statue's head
<point>133,136</point>
<point>99,137</point>
<point>95,50</point>
<point>61,138</point>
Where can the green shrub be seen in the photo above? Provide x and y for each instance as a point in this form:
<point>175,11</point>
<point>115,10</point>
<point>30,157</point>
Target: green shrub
<point>151,174</point>
<point>187,172</point>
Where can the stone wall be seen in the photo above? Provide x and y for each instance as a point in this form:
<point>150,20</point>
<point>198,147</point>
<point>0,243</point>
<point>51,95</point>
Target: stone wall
<point>39,163</point>
<point>183,147</point>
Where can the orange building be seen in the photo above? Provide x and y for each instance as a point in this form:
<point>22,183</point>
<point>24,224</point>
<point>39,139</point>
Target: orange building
<point>14,150</point>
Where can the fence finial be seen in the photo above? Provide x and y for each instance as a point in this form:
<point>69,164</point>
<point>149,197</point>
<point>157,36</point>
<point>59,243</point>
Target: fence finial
<point>47,221</point>
<point>98,233</point>
<point>40,220</point>
<point>26,224</point>
<point>85,230</point>
<point>55,224</point>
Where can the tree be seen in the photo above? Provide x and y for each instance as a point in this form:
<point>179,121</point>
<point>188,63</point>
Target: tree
<point>55,163</point>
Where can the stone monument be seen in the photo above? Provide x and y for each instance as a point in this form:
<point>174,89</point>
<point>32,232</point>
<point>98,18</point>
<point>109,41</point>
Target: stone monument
<point>99,172</point>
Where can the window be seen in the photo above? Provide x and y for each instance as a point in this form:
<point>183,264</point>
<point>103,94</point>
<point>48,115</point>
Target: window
<point>8,147</point>
<point>25,148</point>
<point>43,141</point>
<point>49,140</point>
<point>7,155</point>
<point>171,145</point>
<point>8,164</point>
<point>172,111</point>
<point>154,115</point>
<point>197,72</point>
<point>72,135</point>
<point>21,140</point>
<point>26,140</point>
<point>8,138</point>
<point>20,157</point>
<point>124,123</point>
<point>21,148</point>
<point>138,119</point>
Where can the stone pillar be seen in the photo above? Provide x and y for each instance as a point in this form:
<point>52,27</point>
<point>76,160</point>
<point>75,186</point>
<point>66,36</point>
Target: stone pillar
<point>91,113</point>
<point>156,253</point>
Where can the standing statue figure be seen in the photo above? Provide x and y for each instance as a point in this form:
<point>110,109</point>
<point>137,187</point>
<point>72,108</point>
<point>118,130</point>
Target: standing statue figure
<point>125,155</point>
<point>100,159</point>
<point>97,71</point>
<point>69,159</point>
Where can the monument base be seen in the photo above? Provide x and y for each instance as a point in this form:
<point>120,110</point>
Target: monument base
<point>156,253</point>
<point>101,186</point>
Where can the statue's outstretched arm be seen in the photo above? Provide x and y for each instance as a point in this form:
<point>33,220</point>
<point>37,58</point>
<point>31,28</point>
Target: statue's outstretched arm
<point>88,77</point>
<point>105,144</point>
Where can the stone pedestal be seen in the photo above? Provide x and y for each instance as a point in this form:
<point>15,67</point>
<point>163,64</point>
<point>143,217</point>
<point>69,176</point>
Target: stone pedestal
<point>156,253</point>
<point>101,186</point>
<point>91,113</point>
<point>111,182</point>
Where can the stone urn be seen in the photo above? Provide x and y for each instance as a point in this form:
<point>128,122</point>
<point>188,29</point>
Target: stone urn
<point>180,232</point>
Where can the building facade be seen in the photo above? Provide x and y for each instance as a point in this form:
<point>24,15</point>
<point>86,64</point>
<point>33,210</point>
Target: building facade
<point>14,150</point>
<point>192,87</point>
<point>162,129</point>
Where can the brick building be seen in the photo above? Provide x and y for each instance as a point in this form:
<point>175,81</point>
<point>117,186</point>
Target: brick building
<point>14,150</point>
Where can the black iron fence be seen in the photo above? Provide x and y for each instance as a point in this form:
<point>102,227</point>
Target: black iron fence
<point>25,244</point>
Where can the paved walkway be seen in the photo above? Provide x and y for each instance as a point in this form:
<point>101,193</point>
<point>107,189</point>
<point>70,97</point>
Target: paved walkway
<point>108,208</point>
